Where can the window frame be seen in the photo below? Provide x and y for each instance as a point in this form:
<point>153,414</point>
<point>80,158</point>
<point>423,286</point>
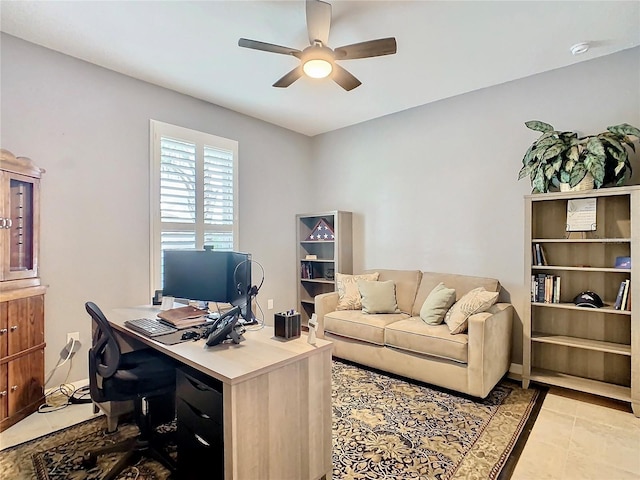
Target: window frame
<point>157,130</point>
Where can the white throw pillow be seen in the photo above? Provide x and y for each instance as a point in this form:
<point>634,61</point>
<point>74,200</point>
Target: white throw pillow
<point>348,294</point>
<point>476,301</point>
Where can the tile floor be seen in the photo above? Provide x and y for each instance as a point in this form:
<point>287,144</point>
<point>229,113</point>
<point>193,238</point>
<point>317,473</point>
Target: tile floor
<point>575,436</point>
<point>579,436</point>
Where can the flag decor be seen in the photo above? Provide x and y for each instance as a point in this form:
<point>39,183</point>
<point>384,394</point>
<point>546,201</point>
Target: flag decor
<point>322,231</point>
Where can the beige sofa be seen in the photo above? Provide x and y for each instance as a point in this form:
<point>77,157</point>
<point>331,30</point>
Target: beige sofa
<point>401,343</point>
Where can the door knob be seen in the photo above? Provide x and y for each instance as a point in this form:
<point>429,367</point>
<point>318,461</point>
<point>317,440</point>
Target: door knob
<point>14,388</point>
<point>14,328</point>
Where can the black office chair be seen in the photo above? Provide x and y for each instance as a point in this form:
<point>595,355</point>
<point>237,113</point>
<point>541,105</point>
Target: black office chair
<point>138,376</point>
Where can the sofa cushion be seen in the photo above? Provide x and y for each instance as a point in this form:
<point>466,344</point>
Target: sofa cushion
<point>416,336</point>
<point>461,283</point>
<point>378,297</point>
<point>437,303</point>
<point>476,301</point>
<point>348,294</point>
<point>360,326</point>
<point>407,282</point>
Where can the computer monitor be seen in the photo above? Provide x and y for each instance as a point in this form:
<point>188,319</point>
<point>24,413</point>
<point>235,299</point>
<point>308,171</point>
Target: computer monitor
<point>210,276</point>
<point>196,275</point>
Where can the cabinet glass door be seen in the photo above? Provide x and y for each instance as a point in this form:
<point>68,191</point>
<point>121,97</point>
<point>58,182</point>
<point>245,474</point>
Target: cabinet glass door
<point>19,224</point>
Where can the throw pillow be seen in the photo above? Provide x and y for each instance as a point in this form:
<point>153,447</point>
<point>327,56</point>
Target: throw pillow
<point>437,303</point>
<point>348,294</point>
<point>476,301</point>
<point>378,297</point>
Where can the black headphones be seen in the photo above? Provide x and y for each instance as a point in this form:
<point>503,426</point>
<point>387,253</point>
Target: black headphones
<point>252,290</point>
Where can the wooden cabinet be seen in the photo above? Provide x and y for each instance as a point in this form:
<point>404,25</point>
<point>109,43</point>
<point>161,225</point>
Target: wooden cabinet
<point>595,350</point>
<point>324,248</point>
<point>21,293</point>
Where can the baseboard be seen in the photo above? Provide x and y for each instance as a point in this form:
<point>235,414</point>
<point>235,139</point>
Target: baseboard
<point>515,372</point>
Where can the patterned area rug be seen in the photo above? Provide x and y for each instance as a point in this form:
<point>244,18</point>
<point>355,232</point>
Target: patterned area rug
<point>58,456</point>
<point>388,428</point>
<point>383,428</point>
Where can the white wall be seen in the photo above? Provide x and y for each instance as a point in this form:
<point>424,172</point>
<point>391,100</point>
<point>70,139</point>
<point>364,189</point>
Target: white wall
<point>89,128</point>
<point>435,187</point>
<point>432,188</point>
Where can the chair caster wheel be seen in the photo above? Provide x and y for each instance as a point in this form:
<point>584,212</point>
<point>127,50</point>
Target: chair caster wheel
<point>89,461</point>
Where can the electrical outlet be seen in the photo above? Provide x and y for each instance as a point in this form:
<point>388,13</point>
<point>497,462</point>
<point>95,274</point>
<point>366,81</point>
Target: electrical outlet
<point>270,304</point>
<point>73,336</point>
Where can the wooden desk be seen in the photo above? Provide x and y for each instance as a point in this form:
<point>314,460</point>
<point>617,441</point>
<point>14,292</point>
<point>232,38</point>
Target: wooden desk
<point>276,399</point>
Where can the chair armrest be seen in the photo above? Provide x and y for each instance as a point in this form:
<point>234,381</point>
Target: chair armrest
<point>489,355</point>
<point>324,303</point>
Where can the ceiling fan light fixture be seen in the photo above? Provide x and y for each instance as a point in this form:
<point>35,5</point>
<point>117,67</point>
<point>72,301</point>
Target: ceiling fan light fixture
<point>317,68</point>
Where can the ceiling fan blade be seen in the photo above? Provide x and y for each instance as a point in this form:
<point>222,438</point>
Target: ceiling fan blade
<point>289,78</point>
<point>318,21</point>
<point>267,47</point>
<point>344,78</point>
<point>371,48</point>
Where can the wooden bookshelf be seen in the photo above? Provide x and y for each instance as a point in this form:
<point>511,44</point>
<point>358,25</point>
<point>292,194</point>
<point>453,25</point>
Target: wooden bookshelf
<point>594,350</point>
<point>316,275</point>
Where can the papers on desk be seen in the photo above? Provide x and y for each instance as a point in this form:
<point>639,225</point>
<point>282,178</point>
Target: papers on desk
<point>184,317</point>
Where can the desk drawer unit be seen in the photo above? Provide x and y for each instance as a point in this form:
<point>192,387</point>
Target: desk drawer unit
<point>200,426</point>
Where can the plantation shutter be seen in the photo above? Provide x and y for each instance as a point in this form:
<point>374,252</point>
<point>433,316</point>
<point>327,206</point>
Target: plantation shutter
<point>194,204</point>
<point>177,193</point>
<point>218,198</point>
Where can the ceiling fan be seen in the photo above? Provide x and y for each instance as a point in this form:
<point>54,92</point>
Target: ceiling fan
<point>318,60</point>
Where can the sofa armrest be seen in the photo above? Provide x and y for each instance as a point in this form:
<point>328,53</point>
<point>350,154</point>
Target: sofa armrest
<point>490,340</point>
<point>324,303</point>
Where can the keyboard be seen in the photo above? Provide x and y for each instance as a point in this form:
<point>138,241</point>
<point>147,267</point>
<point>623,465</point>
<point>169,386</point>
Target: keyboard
<point>149,327</point>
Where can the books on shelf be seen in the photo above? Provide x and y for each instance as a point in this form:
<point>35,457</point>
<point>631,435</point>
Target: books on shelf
<point>545,288</point>
<point>623,298</point>
<point>538,255</point>
<point>306,270</point>
<point>618,302</point>
<point>625,295</point>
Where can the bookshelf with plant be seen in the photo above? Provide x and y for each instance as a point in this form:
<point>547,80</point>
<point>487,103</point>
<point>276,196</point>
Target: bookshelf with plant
<point>324,248</point>
<point>594,350</point>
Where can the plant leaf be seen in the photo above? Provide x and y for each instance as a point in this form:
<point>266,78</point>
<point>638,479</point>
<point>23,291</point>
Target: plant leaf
<point>552,167</point>
<point>595,166</point>
<point>577,174</point>
<point>538,126</point>
<point>538,181</point>
<point>573,153</point>
<point>547,142</point>
<point>624,129</point>
<point>529,156</point>
<point>552,151</point>
<point>613,141</point>
<point>595,147</point>
<point>524,171</point>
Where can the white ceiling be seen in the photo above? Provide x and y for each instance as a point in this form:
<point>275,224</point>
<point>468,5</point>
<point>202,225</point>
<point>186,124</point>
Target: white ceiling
<point>445,48</point>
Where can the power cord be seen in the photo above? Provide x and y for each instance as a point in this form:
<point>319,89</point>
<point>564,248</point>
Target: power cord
<point>63,396</point>
<point>70,353</point>
<point>260,324</point>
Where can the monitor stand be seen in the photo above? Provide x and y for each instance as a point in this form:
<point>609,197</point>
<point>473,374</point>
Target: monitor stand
<point>243,321</point>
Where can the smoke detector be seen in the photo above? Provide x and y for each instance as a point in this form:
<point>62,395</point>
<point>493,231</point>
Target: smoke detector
<point>579,48</point>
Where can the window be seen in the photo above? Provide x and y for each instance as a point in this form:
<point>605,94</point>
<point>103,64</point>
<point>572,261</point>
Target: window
<point>193,192</point>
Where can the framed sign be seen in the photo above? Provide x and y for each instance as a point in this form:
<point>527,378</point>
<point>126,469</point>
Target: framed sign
<point>581,215</point>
